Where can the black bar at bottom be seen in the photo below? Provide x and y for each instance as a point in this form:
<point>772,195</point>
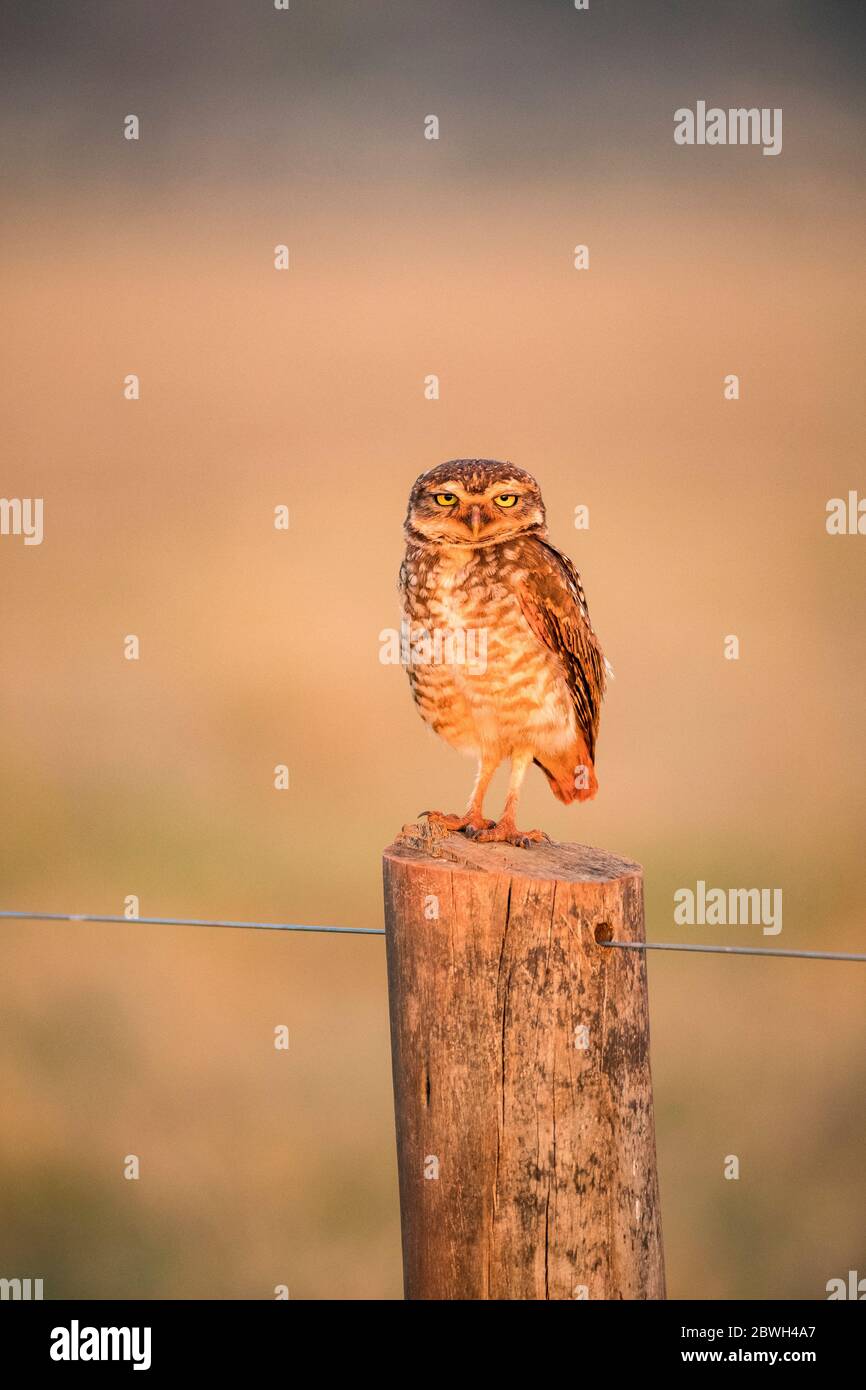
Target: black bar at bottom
<point>84,1338</point>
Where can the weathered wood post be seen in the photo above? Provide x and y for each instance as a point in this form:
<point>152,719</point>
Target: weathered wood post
<point>523,1096</point>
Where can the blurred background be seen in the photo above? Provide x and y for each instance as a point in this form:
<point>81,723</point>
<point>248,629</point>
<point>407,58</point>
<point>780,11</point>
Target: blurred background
<point>306,388</point>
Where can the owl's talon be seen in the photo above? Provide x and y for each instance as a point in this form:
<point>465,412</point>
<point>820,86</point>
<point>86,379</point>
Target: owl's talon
<point>474,829</point>
<point>506,833</point>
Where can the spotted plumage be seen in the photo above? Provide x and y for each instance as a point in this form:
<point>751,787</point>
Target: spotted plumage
<point>503,660</point>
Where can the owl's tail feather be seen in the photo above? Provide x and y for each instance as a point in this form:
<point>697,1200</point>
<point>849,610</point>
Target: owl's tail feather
<point>572,779</point>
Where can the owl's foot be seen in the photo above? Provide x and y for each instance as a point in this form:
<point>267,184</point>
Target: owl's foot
<point>472,823</point>
<point>505,832</point>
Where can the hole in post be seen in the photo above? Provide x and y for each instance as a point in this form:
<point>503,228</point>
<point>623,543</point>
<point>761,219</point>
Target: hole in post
<point>603,932</point>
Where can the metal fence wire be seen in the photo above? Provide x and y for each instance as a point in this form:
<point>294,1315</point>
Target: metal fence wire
<point>10,916</point>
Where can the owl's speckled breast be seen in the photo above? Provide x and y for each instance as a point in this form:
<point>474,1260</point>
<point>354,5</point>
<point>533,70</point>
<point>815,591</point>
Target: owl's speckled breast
<point>479,675</point>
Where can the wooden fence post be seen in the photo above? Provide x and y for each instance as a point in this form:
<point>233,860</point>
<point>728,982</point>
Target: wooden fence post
<point>520,1047</point>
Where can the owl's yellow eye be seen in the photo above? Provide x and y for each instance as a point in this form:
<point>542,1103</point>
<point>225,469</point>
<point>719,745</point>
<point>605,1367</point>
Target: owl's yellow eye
<point>506,499</point>
<point>446,499</point>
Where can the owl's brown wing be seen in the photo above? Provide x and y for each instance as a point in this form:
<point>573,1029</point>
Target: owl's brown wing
<point>554,605</point>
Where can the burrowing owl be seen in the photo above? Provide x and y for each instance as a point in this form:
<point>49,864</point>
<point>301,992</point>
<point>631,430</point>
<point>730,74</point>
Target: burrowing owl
<point>502,658</point>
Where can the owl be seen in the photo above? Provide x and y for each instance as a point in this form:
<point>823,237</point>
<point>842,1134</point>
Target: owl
<point>501,655</point>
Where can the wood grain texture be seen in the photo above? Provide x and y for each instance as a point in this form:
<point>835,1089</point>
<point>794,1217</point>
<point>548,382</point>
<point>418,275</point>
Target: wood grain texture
<point>523,1096</point>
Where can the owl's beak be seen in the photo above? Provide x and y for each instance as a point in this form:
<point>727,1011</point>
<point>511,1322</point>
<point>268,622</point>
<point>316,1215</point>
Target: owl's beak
<point>475,521</point>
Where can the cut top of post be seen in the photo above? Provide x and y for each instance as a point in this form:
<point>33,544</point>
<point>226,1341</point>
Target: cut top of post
<point>551,860</point>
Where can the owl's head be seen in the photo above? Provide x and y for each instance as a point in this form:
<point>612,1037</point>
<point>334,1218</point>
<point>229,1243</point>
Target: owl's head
<point>474,502</point>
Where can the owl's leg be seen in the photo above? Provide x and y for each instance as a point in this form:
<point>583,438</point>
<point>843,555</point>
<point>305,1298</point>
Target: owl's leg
<point>473,821</point>
<point>505,831</point>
